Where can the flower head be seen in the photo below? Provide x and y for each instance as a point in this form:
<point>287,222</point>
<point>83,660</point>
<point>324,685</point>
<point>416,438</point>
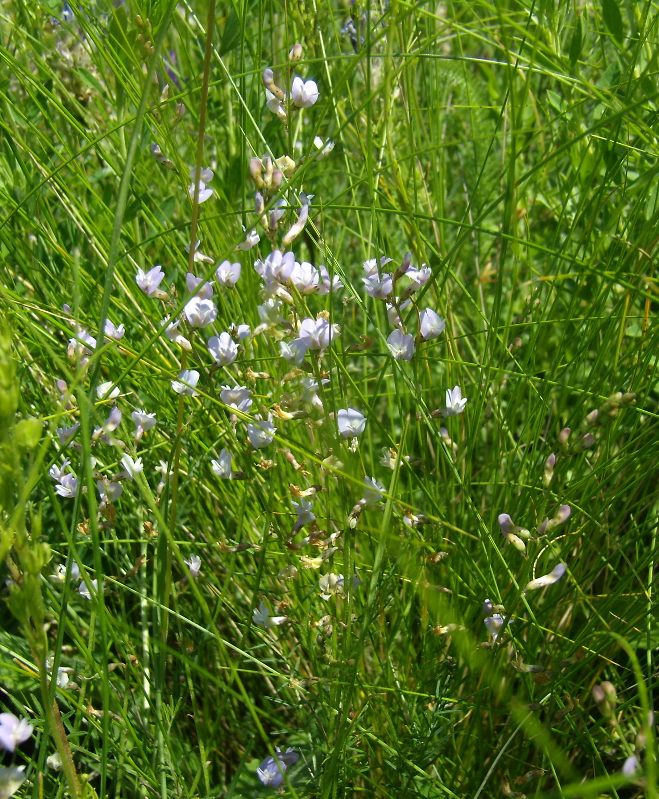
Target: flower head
<point>304,94</point>
<point>222,466</point>
<point>271,771</point>
<point>431,324</point>
<point>149,281</point>
<point>261,433</point>
<point>194,564</point>
<point>262,618</point>
<point>13,731</point>
<point>455,403</point>
<point>223,349</point>
<point>186,383</point>
<point>401,345</point>
<point>351,422</point>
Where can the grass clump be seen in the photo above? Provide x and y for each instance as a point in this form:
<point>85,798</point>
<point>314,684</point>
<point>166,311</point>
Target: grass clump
<point>328,399</point>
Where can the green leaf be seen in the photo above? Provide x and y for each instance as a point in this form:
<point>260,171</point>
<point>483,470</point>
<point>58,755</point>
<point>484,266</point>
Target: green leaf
<point>28,433</point>
<point>612,19</point>
<point>576,42</point>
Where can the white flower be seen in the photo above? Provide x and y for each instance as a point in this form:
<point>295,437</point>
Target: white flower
<point>194,564</point>
<point>223,349</point>
<point>171,331</point>
<point>67,486</point>
<point>373,491</point>
<point>200,312</point>
<point>251,240</point>
<point>198,286</point>
<point>631,767</point>
<point>455,403</point>
<point>132,467</point>
<point>105,391</point>
<point>149,281</point>
<point>494,624</point>
<point>419,277</point>
<point>324,148</point>
<point>261,617</point>
<point>13,731</point>
<point>305,514</point>
<point>11,780</point>
<point>330,585</point>
<point>81,345</point>
<point>547,579</point>
<point>242,331</point>
<point>143,422</point>
<point>84,591</point>
<point>431,324</point>
<point>108,491</point>
<point>114,332</point>
<point>228,274</point>
<point>205,176</point>
<point>261,433</point>
<point>222,466</point>
<point>401,345</point>
<point>295,350</point>
<point>373,266</point>
<point>239,397</point>
<point>317,333</point>
<point>379,286</point>
<point>304,93</point>
<point>305,278</point>
<point>274,104</point>
<point>186,383</point>
<point>351,423</point>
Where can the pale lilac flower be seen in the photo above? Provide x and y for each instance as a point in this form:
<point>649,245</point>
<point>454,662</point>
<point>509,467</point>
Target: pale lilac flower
<point>11,780</point>
<point>205,176</point>
<point>194,564</point>
<point>328,283</point>
<point>494,624</point>
<point>401,345</point>
<point>373,265</point>
<point>81,345</point>
<point>200,313</point>
<point>261,617</point>
<point>379,286</point>
<point>547,579</point>
<point>143,422</point>
<point>304,94</point>
<point>330,585</point>
<point>198,254</point>
<point>271,771</point>
<point>114,332</point>
<point>295,350</point>
<point>455,403</point>
<point>242,331</point>
<point>222,466</point>
<point>239,397</point>
<point>373,491</point>
<point>60,572</point>
<point>317,333</point>
<point>223,349</point>
<point>67,485</point>
<point>274,104</point>
<point>631,767</point>
<point>305,277</point>
<point>228,274</point>
<point>186,383</point>
<point>108,491</point>
<point>298,226</point>
<point>251,240</point>
<point>107,391</point>
<point>65,434</point>
<point>171,331</point>
<point>84,589</point>
<point>419,277</point>
<point>132,467</point>
<point>270,311</point>
<point>431,324</point>
<point>309,394</point>
<point>351,422</point>
<point>198,286</point>
<point>149,281</point>
<point>261,433</point>
<point>13,731</point>
<point>324,147</point>
<point>305,514</point>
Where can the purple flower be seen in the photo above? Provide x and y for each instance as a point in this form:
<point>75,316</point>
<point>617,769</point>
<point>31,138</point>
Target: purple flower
<point>271,771</point>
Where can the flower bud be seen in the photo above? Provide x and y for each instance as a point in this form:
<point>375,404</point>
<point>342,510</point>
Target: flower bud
<point>295,53</point>
<point>564,436</point>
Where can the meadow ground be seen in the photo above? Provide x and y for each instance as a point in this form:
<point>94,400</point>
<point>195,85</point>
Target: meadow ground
<point>328,398</point>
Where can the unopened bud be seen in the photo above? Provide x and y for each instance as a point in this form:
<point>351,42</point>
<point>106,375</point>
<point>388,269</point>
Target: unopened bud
<point>296,52</point>
<point>270,85</point>
<point>549,469</point>
<point>298,226</point>
<point>564,436</point>
<point>588,441</point>
<point>592,417</point>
